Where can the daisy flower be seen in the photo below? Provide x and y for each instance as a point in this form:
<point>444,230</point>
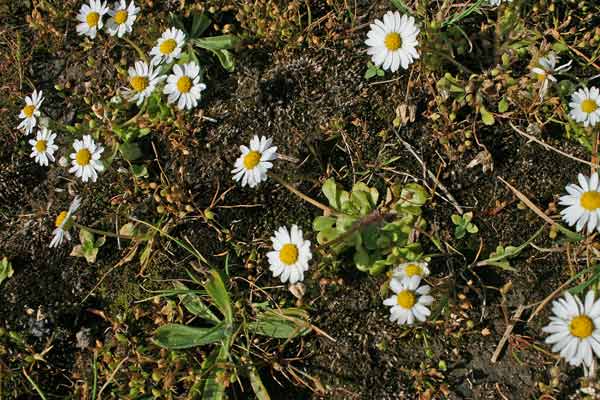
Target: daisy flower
<point>251,167</point>
<point>290,256</point>
<point>543,72</point>
<point>90,18</point>
<point>184,85</point>
<point>392,43</point>
<point>497,2</point>
<point>168,46</point>
<point>575,328</point>
<point>143,79</point>
<point>410,300</point>
<point>31,111</point>
<point>63,223</point>
<point>583,203</point>
<point>121,18</point>
<point>410,269</point>
<point>43,147</point>
<point>585,106</point>
<point>86,159</point>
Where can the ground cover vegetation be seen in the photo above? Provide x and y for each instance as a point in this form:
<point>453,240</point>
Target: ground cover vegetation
<point>338,199</point>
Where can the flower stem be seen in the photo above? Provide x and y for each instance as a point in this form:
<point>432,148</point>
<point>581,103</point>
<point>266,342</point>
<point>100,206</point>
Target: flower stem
<point>326,209</point>
<point>104,233</point>
<point>136,48</point>
<point>595,150</point>
<point>448,58</point>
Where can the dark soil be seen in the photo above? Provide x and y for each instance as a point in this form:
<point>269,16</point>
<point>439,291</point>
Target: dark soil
<point>293,95</point>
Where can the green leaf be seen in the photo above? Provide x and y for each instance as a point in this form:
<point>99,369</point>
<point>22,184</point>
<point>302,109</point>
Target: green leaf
<point>218,293</point>
<point>560,47</point>
<point>200,23</point>
<point>362,200</point>
<point>217,42</point>
<point>472,228</point>
<point>413,195</point>
<point>330,190</point>
<point>500,257</point>
<point>214,389</point>
<point>6,270</point>
<point>90,255</point>
<point>85,236</point>
<point>327,235</point>
<point>371,72</point>
<point>456,219</point>
<point>460,232</point>
<point>286,323</point>
<point>361,259</point>
<point>378,267</point>
<point>225,58</point>
<point>486,116</point>
<point>177,336</point>
<point>130,151</point>
<point>139,171</point>
<point>503,105</point>
<point>370,233</point>
<point>582,286</point>
<point>194,304</point>
<point>176,21</point>
<point>403,8</point>
<point>257,385</point>
<point>321,223</point>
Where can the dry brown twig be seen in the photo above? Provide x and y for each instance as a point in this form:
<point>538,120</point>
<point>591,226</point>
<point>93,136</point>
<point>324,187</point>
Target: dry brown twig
<point>431,175</point>
<point>507,332</point>
<point>548,147</point>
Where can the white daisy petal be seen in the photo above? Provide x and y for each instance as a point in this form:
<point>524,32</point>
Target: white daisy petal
<point>408,298</point>
<point>63,223</point>
<point>290,257</point>
<point>573,331</point>
<point>84,160</point>
<point>392,42</point>
<point>43,147</point>
<point>168,47</point>
<point>585,107</point>
<point>250,166</point>
<point>143,80</point>
<point>583,204</point>
<point>30,111</point>
<point>90,18</point>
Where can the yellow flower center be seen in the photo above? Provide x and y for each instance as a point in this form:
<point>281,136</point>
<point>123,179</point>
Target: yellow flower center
<point>28,110</point>
<point>406,299</point>
<point>40,146</point>
<point>60,218</point>
<point>581,326</point>
<point>167,46</point>
<point>139,83</point>
<point>184,84</point>
<point>541,77</point>
<point>121,16</point>
<point>83,157</point>
<point>251,159</point>
<point>588,106</point>
<point>590,200</point>
<point>92,19</point>
<point>392,41</point>
<point>412,270</point>
<point>288,254</point>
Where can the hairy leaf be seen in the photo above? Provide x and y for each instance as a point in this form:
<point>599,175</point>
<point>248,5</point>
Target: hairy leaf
<point>177,336</point>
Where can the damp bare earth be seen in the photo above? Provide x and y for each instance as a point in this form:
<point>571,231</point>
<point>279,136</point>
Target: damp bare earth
<point>305,88</point>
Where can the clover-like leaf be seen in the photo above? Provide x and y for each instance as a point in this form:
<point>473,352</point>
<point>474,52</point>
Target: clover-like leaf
<point>6,270</point>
